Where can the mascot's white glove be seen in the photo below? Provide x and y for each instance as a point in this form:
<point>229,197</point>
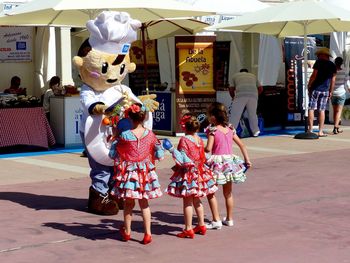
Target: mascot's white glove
<point>149,102</point>
<point>99,109</point>
<point>127,101</point>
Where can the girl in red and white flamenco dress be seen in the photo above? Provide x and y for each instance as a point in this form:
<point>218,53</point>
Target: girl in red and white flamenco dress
<point>135,177</point>
<point>192,179</point>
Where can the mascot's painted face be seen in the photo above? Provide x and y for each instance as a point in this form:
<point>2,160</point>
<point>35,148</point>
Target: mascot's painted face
<point>101,70</point>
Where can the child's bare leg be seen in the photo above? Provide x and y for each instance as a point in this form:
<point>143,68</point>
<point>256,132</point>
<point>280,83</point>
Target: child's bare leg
<point>146,215</point>
<point>227,191</point>
<point>188,212</point>
<point>213,204</point>
<point>198,206</point>
<point>128,207</point>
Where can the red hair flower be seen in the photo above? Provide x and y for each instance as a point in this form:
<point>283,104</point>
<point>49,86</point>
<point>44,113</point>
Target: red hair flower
<point>135,108</point>
<point>184,119</point>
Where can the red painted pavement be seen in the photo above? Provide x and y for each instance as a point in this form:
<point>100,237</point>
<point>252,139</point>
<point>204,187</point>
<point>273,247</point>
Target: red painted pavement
<point>293,208</point>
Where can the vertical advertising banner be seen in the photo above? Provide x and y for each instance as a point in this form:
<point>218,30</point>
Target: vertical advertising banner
<point>293,51</point>
<point>194,77</point>
<point>137,80</point>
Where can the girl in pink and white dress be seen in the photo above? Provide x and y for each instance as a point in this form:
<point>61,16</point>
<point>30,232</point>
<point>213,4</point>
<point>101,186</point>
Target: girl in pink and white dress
<point>135,152</point>
<point>192,179</point>
<point>227,167</point>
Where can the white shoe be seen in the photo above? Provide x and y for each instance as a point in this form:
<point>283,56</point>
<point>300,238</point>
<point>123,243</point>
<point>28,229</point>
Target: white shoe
<point>214,225</point>
<point>256,134</point>
<point>227,222</point>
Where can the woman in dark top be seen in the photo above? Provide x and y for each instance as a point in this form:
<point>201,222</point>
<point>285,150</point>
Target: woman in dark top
<point>320,86</point>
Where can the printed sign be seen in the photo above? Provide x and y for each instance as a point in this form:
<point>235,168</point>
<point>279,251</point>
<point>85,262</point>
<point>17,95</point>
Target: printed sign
<point>195,67</point>
<point>16,44</point>
<point>73,118</point>
<point>162,117</point>
<point>195,104</point>
<point>195,77</point>
<point>293,51</point>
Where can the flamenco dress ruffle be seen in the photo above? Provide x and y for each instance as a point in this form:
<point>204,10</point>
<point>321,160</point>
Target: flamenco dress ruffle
<point>135,176</point>
<point>190,181</point>
<point>227,168</point>
<point>138,181</point>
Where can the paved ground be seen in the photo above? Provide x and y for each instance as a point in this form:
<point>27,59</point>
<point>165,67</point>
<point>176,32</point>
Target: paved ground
<point>293,208</point>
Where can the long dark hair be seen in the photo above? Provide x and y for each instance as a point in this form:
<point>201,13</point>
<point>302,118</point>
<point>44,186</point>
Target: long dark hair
<point>218,110</point>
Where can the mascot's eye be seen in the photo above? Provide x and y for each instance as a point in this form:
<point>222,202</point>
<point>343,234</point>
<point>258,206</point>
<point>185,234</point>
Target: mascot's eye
<point>104,67</point>
<point>122,68</point>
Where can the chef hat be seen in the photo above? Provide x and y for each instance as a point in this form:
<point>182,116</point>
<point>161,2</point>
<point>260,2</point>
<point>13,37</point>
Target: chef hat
<point>112,32</point>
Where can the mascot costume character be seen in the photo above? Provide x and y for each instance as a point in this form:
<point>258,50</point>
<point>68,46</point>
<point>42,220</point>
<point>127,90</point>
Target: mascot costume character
<point>103,62</point>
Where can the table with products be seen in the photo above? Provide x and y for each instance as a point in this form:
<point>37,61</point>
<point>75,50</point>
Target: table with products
<point>25,126</point>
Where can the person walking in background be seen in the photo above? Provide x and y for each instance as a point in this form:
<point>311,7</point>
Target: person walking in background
<point>192,179</point>
<point>226,167</point>
<point>244,93</point>
<point>320,87</point>
<point>339,93</point>
<point>135,176</point>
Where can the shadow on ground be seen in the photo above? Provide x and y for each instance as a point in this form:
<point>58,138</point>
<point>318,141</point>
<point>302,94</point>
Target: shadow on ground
<point>45,202</point>
<point>109,228</point>
<point>105,230</point>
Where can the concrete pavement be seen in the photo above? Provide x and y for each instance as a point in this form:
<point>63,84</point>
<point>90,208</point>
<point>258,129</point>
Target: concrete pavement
<point>293,208</point>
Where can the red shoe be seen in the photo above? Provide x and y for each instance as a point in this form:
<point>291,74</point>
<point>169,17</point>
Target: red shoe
<point>147,239</point>
<point>186,233</point>
<point>200,230</point>
<point>125,236</point>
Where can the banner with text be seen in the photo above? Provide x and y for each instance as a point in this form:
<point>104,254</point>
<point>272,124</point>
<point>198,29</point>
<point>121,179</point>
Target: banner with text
<point>16,44</point>
<point>162,117</point>
<point>195,66</point>
<point>293,52</point>
<point>194,77</point>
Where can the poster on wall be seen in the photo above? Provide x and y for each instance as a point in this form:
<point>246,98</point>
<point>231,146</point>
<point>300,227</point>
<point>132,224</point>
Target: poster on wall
<point>195,65</point>
<point>293,51</point>
<point>137,80</point>
<point>16,44</point>
<point>194,77</point>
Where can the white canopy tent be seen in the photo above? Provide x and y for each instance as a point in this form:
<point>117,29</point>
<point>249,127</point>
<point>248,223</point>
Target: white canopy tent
<point>228,7</point>
<point>294,18</point>
<point>67,13</point>
<point>45,58</point>
<point>270,60</point>
<point>224,9</point>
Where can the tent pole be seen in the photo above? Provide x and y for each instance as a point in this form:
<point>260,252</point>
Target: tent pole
<point>144,57</point>
<point>306,114</point>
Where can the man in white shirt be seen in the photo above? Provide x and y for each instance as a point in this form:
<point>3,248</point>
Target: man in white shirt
<point>245,92</point>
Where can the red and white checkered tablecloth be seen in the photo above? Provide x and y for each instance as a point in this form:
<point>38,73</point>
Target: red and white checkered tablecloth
<point>25,126</point>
